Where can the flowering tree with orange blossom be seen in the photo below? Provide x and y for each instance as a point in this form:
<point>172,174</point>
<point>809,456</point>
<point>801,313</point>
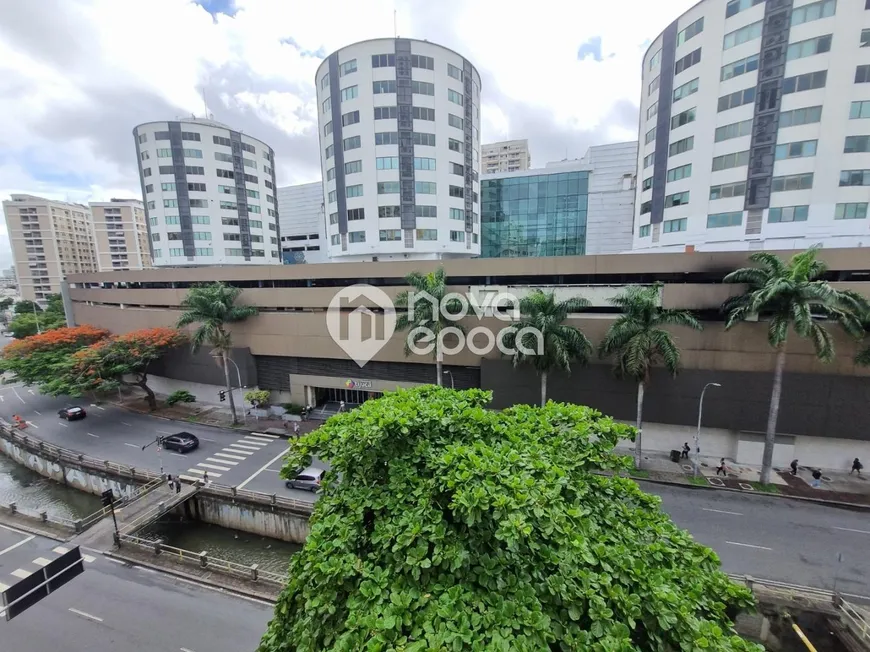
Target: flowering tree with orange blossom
<point>121,360</point>
<point>38,359</point>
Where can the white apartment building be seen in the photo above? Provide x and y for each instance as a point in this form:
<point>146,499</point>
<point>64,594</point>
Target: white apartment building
<point>49,239</point>
<point>120,232</point>
<point>506,156</point>
<point>399,123</point>
<point>303,223</point>
<point>755,128</point>
<point>209,194</point>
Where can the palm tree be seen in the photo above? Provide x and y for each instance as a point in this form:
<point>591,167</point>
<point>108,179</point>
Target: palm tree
<point>791,296</point>
<point>560,344</point>
<point>430,313</point>
<point>638,340</point>
<point>214,306</point>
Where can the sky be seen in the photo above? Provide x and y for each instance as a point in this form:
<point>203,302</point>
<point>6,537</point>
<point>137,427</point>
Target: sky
<point>77,75</point>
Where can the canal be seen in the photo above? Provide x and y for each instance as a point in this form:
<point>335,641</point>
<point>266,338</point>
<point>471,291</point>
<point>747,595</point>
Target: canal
<point>32,493</point>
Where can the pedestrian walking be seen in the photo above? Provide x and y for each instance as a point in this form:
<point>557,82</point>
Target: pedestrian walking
<point>794,467</point>
<point>171,484</point>
<point>296,428</point>
<point>341,406</point>
<point>856,466</point>
<point>817,479</point>
<point>685,453</point>
<point>177,485</point>
<point>721,467</point>
<point>205,477</point>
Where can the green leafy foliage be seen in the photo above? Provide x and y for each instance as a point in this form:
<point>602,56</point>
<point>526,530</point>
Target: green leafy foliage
<point>455,527</point>
<point>26,306</point>
<point>292,408</point>
<point>259,397</point>
<point>40,359</point>
<point>180,396</point>
<point>28,324</point>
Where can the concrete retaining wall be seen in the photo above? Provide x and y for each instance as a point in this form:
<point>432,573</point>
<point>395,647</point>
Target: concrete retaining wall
<point>257,519</point>
<point>67,473</point>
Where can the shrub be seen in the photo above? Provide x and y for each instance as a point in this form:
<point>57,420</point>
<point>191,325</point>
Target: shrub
<point>258,398</point>
<point>292,408</point>
<point>180,396</point>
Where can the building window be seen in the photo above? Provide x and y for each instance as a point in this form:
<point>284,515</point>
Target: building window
<point>351,143</point>
<point>650,136</point>
<point>324,81</point>
<point>152,205</point>
<point>457,236</point>
<point>854,211</point>
<point>454,121</point>
<point>390,235</point>
<point>384,86</point>
<point>143,138</point>
<point>226,158</point>
<point>686,89</point>
<point>809,47</point>
<point>681,146</point>
<point>353,167</point>
<point>422,88</point>
<point>792,182</point>
<point>457,214</point>
<point>422,113</point>
<point>733,160</point>
<point>427,235</point>
<point>655,59</point>
<point>170,203</point>
<point>155,237</point>
<point>425,211</point>
<point>354,214</point>
<point>220,140</point>
<point>692,30</point>
<point>797,149</point>
<point>743,35</point>
<point>647,183</point>
<point>862,74</point>
<point>325,105</point>
<point>158,253</point>
<point>197,187</point>
<point>457,169</point>
<point>683,118</point>
<point>795,117</point>
<point>424,139</point>
<point>813,11</point>
<point>388,187</point>
<point>389,211</point>
<point>734,130</point>
<point>855,144</point>
<point>333,219</point>
<point>330,151</point>
<point>349,93</point>
<point>161,153</point>
<point>199,203</point>
<point>649,160</point>
<point>854,178</point>
<point>858,110</point>
<point>733,100</point>
<point>146,172</point>
<point>356,236</point>
<point>453,71</point>
<point>677,199</point>
<point>190,135</point>
<point>330,174</point>
<point>739,67</point>
<point>805,82</point>
<point>788,214</point>
<point>424,163</point>
<point>327,128</point>
<point>347,67</point>
<point>654,85</point>
<point>354,191</point>
<point>646,207</point>
<point>652,110</point>
<point>387,163</point>
<point>672,226</point>
<point>350,118</point>
<point>383,60</point>
<point>425,187</point>
<point>720,220</point>
<point>865,38</point>
<point>687,61</point>
<point>387,138</point>
<point>644,231</point>
<point>144,155</point>
<point>149,188</point>
<point>420,61</point>
<point>152,221</point>
<point>176,252</point>
<point>727,190</point>
<point>335,239</point>
<point>457,191</point>
<point>455,97</point>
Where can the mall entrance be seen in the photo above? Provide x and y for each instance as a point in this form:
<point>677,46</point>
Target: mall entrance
<point>349,396</point>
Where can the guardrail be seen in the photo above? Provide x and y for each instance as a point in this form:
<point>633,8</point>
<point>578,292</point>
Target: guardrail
<point>259,497</point>
<point>41,515</point>
<point>140,492</point>
<point>203,560</point>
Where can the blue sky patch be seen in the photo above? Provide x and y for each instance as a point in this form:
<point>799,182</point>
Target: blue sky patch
<point>319,53</point>
<point>590,47</point>
<point>215,7</point>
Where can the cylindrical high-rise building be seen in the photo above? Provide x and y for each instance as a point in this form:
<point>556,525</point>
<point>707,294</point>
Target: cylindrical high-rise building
<point>400,150</point>
<point>209,194</point>
<point>755,127</point>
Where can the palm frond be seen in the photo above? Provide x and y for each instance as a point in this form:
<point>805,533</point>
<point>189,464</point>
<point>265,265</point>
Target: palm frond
<point>863,357</point>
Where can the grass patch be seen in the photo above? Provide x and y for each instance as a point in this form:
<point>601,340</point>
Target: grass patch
<point>639,473</point>
<point>765,488</point>
<point>700,481</point>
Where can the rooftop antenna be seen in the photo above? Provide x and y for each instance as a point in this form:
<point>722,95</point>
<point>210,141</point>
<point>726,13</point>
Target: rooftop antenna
<point>204,104</point>
<point>395,25</point>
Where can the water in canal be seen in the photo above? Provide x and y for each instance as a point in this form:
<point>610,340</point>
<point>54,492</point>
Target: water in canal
<point>32,493</point>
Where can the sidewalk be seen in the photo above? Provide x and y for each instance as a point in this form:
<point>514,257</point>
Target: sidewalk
<point>835,487</point>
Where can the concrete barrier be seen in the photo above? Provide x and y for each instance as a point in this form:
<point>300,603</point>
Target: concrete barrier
<point>245,516</point>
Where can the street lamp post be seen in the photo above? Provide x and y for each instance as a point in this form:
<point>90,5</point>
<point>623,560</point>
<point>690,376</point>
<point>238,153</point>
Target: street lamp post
<point>239,375</point>
<point>696,461</point>
<point>448,373</point>
<point>38,329</point>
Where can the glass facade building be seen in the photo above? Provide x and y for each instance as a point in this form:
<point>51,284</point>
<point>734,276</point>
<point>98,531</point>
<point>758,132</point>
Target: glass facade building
<point>534,215</point>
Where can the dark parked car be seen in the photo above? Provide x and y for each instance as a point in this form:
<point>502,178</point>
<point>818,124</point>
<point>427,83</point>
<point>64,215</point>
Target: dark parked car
<point>72,413</point>
<point>181,442</point>
<point>308,479</point>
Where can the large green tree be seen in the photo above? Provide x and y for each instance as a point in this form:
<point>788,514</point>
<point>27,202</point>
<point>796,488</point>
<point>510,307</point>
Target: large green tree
<point>431,309</point>
<point>444,525</point>
<point>26,306</point>
<point>27,324</point>
<point>542,340</point>
<point>792,297</point>
<point>213,308</point>
<point>638,340</point>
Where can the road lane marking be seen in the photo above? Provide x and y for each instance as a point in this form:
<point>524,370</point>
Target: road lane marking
<point>90,434</point>
<point>257,439</point>
<point>98,407</point>
<point>748,545</point>
<point>12,529</point>
<point>219,461</point>
<point>238,451</point>
<point>247,446</point>
<point>3,587</point>
<point>188,478</point>
<point>721,511</point>
<point>84,614</point>
<point>265,466</point>
<point>232,457</point>
<point>30,423</point>
<point>274,470</point>
<point>62,424</point>
<point>18,395</point>
<point>41,561</point>
<point>184,649</point>
<point>213,441</point>
<point>15,545</point>
<point>131,445</point>
<point>200,471</point>
<point>213,466</point>
<point>2,400</point>
<point>31,392</point>
<point>848,529</point>
<point>117,561</point>
<point>88,558</point>
<point>38,412</point>
<point>21,573</point>
<point>60,550</point>
<point>263,434</point>
<point>177,454</point>
<point>124,423</point>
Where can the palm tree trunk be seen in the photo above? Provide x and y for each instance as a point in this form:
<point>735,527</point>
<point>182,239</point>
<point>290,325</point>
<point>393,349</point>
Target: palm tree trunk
<point>224,357</point>
<point>637,442</point>
<point>543,388</point>
<point>770,435</point>
<point>438,381</point>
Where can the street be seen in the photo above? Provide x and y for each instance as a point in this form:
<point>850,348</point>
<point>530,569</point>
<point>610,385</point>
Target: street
<point>114,606</point>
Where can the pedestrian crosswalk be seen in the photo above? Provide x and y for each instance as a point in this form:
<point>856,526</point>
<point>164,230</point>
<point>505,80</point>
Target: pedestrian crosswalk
<point>40,562</point>
<point>219,463</point>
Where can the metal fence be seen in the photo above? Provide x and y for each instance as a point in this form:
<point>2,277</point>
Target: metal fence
<point>41,515</point>
<point>259,497</point>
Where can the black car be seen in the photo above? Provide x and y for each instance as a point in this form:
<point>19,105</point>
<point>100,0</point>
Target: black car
<point>72,413</point>
<point>181,442</point>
